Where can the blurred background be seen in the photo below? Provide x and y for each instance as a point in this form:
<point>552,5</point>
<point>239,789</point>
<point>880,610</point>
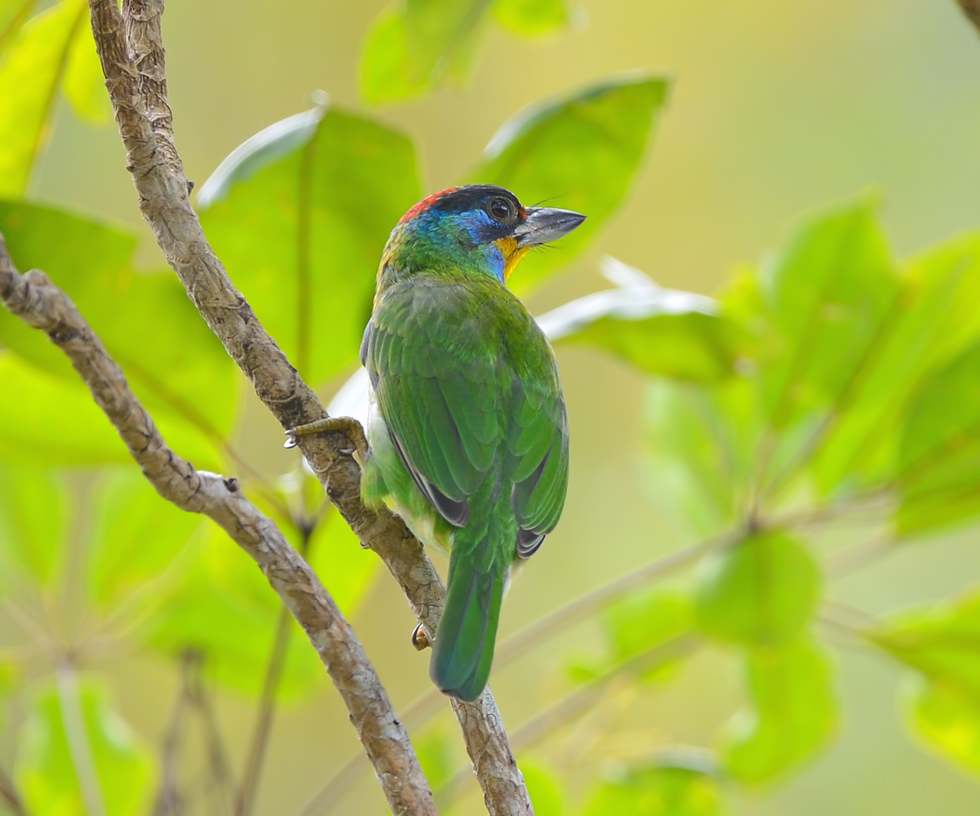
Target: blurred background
<point>776,109</point>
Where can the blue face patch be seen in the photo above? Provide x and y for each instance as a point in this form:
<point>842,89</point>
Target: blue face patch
<point>465,240</point>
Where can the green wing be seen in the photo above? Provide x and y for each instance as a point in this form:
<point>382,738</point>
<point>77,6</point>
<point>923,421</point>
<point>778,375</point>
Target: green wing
<point>467,386</point>
<point>537,443</point>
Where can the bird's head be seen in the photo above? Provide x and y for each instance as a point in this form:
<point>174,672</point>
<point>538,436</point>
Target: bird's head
<point>477,229</point>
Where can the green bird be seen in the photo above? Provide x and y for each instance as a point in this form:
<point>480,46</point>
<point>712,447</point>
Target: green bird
<point>467,431</point>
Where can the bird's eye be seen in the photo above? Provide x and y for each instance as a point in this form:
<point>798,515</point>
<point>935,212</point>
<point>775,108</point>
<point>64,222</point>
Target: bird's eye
<point>500,209</point>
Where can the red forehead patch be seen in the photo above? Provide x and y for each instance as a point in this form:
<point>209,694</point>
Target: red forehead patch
<point>424,204</point>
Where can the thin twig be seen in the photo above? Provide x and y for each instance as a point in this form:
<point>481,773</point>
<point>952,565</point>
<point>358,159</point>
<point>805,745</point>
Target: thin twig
<point>586,605</point>
<point>142,115</point>
<point>40,304</point>
<point>860,555</point>
<point>576,703</point>
<point>9,795</point>
<point>219,769</point>
<point>168,799</point>
<point>76,734</point>
<point>427,704</point>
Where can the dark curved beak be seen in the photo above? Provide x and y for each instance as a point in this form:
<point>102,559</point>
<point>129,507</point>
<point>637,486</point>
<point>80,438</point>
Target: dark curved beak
<point>545,224</point>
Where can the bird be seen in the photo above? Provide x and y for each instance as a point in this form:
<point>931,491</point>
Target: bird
<point>467,431</point>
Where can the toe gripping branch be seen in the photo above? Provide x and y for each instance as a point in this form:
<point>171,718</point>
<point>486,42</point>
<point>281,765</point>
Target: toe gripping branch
<point>348,426</point>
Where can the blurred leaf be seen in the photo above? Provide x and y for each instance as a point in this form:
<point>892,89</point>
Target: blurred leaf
<point>941,643</point>
<point>172,361</point>
<point>46,763</point>
<point>947,719</point>
<point>299,214</point>
<point>660,331</point>
<point>225,608</point>
<point>30,74</point>
<point>659,790</point>
<point>931,322</point>
<point>687,471</point>
<point>417,44</point>
<point>136,537</point>
<point>441,36</point>
<point>544,789</point>
<point>384,74</point>
<point>531,17</point>
<point>84,84</point>
<point>343,565</point>
<point>760,591</point>
<point>792,713</point>
<point>637,624</point>
<point>34,510</point>
<point>939,454</point>
<point>828,293</point>
<point>581,152</point>
<point>63,426</point>
<point>90,261</point>
<point>13,15</point>
<point>435,753</point>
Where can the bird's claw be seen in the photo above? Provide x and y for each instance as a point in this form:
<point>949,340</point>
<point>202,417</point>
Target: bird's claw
<point>420,638</point>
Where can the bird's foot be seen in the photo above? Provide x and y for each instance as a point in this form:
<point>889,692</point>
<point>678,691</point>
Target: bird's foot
<point>342,424</point>
<point>420,638</point>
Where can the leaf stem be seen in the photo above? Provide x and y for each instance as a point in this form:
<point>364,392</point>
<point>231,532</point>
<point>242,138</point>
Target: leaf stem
<point>430,702</point>
<point>76,734</point>
<point>574,705</point>
<point>9,795</point>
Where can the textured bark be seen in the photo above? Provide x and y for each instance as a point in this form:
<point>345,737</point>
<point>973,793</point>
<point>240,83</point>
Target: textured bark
<point>130,48</point>
<point>39,303</point>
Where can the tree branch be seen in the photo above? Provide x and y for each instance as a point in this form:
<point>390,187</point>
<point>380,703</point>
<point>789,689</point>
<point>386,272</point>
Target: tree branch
<point>142,114</point>
<point>40,304</point>
<point>971,8</point>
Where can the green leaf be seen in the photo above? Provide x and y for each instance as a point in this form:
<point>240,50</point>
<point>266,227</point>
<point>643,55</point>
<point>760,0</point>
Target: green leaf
<point>435,753</point>
<point>939,455</point>
<point>384,74</point>
<point>13,15</point>
<point>931,322</point>
<point>760,591</point>
<point>585,149</point>
<point>61,727</point>
<point>941,643</point>
<point>84,84</point>
<point>300,214</point>
<point>659,331</point>
<point>532,17</point>
<point>658,790</point>
<point>30,76</point>
<point>136,539</point>
<point>544,788</point>
<point>686,468</point>
<point>172,361</point>
<point>947,719</point>
<point>42,436</point>
<point>638,624</point>
<point>442,36</point>
<point>828,293</point>
<point>34,515</point>
<point>792,712</point>
<point>225,608</point>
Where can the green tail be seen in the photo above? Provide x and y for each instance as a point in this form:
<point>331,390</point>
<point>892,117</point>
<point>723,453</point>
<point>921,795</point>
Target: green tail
<point>463,648</point>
